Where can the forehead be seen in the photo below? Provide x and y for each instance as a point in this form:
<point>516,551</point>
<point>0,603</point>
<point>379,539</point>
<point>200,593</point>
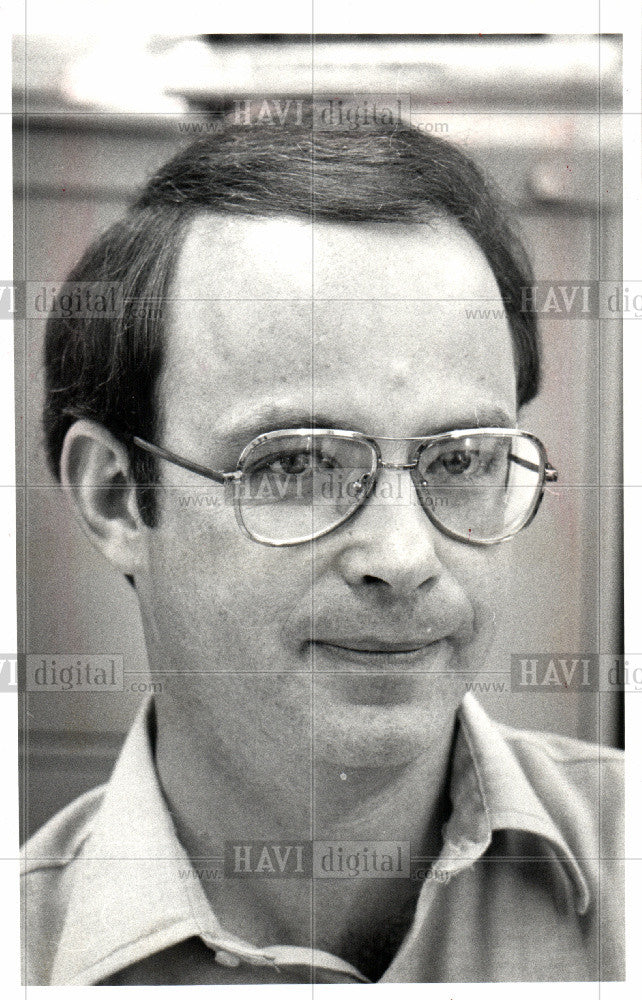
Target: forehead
<point>354,317</point>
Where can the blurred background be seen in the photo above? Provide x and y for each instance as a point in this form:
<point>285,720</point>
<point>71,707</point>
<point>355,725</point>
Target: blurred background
<point>95,116</point>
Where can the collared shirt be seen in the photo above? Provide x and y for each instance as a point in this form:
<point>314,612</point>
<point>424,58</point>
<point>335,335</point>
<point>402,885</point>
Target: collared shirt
<point>528,885</point>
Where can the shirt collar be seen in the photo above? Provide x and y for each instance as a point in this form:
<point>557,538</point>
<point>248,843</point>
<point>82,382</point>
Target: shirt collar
<point>135,890</point>
<point>485,766</point>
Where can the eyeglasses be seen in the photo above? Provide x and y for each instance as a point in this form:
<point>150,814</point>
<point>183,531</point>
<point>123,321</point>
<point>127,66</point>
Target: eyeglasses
<point>479,486</point>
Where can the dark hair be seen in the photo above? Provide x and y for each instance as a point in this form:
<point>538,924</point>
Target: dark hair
<point>107,369</point>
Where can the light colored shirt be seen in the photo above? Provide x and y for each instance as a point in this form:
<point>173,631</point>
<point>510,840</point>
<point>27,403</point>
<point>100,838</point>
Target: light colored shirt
<point>528,885</point>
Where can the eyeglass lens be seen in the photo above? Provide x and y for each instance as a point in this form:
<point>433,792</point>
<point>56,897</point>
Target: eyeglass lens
<point>481,487</point>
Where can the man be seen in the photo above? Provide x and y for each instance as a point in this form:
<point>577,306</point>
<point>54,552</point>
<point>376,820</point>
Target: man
<point>310,797</point>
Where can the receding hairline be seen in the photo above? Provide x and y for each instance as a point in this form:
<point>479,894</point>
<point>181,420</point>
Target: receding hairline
<point>222,241</point>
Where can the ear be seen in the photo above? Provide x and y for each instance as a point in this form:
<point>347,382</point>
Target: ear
<point>96,477</point>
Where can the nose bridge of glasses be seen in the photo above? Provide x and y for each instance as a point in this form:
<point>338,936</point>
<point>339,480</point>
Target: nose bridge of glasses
<point>392,457</point>
<point>391,484</point>
<point>398,456</point>
<point>398,466</point>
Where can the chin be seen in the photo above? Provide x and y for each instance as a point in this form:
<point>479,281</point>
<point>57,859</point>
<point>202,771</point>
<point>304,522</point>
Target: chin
<point>384,734</point>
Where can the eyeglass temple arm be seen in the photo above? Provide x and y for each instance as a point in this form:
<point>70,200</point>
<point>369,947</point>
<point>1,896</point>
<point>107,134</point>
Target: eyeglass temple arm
<point>550,474</point>
<point>170,456</point>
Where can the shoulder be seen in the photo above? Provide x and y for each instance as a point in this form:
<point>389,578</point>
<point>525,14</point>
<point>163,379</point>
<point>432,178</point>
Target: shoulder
<point>47,872</point>
<point>579,793</point>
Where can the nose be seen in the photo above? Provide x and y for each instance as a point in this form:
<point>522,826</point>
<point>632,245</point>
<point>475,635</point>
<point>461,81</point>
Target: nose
<point>390,545</point>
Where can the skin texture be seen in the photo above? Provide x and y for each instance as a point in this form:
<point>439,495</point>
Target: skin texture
<point>267,728</point>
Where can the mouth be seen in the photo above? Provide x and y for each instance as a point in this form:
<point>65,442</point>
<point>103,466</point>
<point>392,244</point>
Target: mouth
<point>375,653</point>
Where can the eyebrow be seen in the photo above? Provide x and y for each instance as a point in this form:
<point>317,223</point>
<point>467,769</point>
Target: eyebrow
<point>262,422</point>
<point>493,416</point>
<point>265,421</point>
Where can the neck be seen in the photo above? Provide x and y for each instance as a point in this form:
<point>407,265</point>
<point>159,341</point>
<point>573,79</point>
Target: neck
<point>220,793</point>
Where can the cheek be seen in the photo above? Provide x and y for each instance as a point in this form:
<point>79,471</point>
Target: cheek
<point>484,575</point>
<point>208,584</point>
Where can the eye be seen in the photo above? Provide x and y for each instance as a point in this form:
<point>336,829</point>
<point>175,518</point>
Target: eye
<point>461,462</point>
<point>469,462</point>
<point>458,462</point>
<point>295,463</point>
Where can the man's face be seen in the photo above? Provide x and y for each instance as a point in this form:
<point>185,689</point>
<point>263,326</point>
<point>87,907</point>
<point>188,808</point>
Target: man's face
<point>363,640</point>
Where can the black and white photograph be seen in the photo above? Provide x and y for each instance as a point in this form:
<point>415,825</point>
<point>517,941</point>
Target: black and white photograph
<point>320,673</point>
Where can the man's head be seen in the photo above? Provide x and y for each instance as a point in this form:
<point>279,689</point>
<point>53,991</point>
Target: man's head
<point>306,278</point>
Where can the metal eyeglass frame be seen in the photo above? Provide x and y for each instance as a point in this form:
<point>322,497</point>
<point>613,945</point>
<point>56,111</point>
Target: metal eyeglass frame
<point>547,474</point>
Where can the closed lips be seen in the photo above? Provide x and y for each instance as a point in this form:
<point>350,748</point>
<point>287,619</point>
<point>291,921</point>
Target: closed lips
<point>370,651</point>
<point>377,647</point>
